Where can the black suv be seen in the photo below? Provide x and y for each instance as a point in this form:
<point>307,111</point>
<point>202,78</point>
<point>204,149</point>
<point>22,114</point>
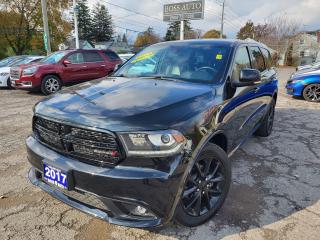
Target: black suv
<point>151,143</point>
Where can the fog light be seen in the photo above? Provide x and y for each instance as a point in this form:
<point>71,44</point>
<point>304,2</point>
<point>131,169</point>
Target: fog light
<point>141,211</point>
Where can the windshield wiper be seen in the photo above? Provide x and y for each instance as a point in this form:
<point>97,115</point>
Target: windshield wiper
<point>160,77</point>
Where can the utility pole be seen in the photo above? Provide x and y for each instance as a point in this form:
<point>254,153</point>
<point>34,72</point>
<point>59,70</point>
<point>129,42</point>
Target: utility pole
<point>222,19</point>
<point>182,30</point>
<point>75,20</point>
<point>46,34</point>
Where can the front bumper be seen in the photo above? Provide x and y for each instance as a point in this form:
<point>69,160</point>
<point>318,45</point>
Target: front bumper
<point>111,193</point>
<point>25,82</point>
<point>295,89</point>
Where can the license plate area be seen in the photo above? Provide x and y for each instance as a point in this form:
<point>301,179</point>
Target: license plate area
<point>56,177</point>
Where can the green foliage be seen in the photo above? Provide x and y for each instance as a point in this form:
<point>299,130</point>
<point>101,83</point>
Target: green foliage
<point>102,29</point>
<point>84,20</point>
<point>173,32</point>
<point>21,24</point>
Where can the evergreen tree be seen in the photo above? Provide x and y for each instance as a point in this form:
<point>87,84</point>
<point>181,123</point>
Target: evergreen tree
<point>124,38</point>
<point>102,24</point>
<point>84,20</point>
<point>173,32</point>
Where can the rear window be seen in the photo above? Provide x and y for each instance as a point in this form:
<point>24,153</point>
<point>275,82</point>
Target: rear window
<point>112,56</point>
<point>257,59</point>
<point>92,57</point>
<point>267,57</point>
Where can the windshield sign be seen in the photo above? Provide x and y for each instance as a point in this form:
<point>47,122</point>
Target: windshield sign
<point>193,62</point>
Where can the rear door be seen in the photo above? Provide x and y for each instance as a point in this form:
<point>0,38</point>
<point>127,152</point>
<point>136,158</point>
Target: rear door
<point>74,71</point>
<point>96,67</point>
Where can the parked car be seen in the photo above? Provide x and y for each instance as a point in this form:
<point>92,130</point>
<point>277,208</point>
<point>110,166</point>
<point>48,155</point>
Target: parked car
<point>5,62</point>
<point>306,85</point>
<point>64,67</point>
<point>5,71</point>
<point>140,149</point>
<point>315,65</point>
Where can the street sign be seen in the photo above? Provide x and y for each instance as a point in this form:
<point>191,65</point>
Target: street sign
<point>183,11</point>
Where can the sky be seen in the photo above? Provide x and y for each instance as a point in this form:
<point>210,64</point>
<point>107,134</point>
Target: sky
<point>237,13</point>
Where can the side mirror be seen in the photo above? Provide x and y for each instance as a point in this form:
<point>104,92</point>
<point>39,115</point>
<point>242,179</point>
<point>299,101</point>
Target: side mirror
<point>248,77</point>
<point>66,62</point>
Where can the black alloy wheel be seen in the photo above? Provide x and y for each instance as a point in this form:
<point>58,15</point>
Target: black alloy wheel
<point>206,187</point>
<point>311,93</point>
<point>267,122</point>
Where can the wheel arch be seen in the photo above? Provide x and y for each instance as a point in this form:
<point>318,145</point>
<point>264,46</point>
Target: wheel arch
<point>51,74</point>
<point>220,140</point>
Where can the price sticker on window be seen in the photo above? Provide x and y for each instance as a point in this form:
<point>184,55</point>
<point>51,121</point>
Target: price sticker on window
<point>219,56</point>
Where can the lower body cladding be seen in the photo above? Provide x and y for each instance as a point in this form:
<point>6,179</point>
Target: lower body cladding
<point>122,195</point>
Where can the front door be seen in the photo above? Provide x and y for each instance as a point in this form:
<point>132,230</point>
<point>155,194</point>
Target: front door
<point>76,68</point>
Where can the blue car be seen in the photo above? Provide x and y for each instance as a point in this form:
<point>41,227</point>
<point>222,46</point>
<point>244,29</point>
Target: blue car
<point>306,85</point>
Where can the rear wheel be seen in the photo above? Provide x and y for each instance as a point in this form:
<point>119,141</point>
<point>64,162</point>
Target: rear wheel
<point>206,187</point>
<point>311,93</point>
<point>50,84</point>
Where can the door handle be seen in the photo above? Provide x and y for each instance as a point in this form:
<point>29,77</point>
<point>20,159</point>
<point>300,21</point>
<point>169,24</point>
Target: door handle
<point>84,66</point>
<point>102,65</point>
<point>256,89</point>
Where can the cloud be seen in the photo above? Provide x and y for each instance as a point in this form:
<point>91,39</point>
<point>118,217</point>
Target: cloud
<point>237,13</point>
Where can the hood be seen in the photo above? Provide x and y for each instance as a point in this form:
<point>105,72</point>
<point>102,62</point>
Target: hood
<point>5,70</point>
<point>303,73</point>
<point>121,104</point>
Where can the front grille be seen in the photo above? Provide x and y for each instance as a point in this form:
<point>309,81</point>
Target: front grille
<point>15,73</point>
<point>92,147</point>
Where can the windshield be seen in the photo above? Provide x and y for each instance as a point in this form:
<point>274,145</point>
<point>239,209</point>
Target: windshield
<point>194,62</point>
<point>20,62</point>
<point>5,62</point>
<point>54,58</point>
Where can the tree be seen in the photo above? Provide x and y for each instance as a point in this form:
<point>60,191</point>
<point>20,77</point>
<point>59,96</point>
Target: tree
<point>173,32</point>
<point>247,31</point>
<point>21,24</point>
<point>213,33</point>
<point>84,20</point>
<point>101,24</point>
<point>146,38</point>
<point>124,39</point>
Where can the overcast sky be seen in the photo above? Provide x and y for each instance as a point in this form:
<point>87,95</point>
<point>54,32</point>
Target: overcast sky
<point>307,12</point>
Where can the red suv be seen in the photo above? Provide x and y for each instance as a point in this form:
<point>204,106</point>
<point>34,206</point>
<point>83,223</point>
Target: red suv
<point>64,67</point>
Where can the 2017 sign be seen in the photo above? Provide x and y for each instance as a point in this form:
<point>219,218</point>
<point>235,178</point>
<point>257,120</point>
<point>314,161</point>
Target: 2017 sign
<point>183,11</point>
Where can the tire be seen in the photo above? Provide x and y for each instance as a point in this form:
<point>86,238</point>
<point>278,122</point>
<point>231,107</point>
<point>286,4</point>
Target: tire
<point>267,123</point>
<point>215,159</point>
<point>50,84</point>
<point>311,93</point>
<point>9,84</point>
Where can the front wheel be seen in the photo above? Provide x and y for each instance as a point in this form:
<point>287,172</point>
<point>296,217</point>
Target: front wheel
<point>50,84</point>
<point>311,93</point>
<point>206,187</point>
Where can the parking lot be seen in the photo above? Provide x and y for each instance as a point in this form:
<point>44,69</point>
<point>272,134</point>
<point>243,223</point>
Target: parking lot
<point>275,191</point>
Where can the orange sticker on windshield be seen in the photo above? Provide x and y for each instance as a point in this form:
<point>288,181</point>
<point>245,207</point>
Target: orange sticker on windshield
<point>219,57</point>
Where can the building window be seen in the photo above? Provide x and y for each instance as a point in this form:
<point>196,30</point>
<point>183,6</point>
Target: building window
<point>302,41</point>
<point>302,54</point>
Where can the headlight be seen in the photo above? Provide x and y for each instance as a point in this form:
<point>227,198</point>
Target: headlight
<point>159,143</point>
<point>29,71</point>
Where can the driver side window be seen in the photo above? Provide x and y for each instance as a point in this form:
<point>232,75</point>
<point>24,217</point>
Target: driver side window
<point>242,60</point>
